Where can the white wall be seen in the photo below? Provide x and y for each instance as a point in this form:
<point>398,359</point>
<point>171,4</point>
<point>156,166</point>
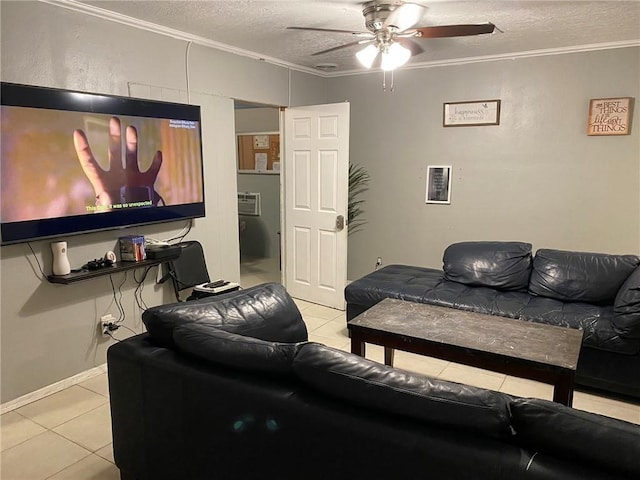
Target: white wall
<point>48,332</point>
<point>536,177</point>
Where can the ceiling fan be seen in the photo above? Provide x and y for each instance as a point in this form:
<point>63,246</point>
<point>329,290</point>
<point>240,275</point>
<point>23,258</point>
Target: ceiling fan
<point>391,33</point>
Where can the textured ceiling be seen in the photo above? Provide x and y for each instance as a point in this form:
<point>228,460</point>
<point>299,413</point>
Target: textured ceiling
<point>258,28</point>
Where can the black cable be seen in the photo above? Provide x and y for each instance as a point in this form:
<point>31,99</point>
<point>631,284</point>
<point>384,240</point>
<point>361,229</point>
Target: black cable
<point>132,331</point>
<point>181,237</point>
<point>120,307</point>
<point>142,305</point>
<point>44,275</point>
<point>137,294</point>
<point>144,275</point>
<point>188,230</point>
<point>114,338</point>
<point>115,298</point>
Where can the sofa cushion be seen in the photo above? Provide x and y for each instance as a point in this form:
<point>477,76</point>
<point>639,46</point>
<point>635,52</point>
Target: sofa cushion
<point>592,438</point>
<point>580,276</point>
<point>593,320</point>
<point>208,342</point>
<point>626,307</point>
<point>266,312</point>
<point>499,265</point>
<point>376,386</point>
<point>404,282</point>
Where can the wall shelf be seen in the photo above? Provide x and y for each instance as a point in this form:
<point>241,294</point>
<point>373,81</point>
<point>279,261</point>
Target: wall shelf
<point>81,275</point>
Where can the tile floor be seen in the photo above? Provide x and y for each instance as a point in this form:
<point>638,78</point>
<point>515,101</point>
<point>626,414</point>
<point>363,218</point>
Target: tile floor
<point>67,435</point>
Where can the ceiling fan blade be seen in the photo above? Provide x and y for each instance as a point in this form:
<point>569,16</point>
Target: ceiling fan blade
<point>405,16</point>
<point>411,45</point>
<point>312,29</point>
<point>454,30</point>
<point>340,47</point>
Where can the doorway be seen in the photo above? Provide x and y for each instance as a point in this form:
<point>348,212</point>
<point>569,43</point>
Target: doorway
<point>259,202</point>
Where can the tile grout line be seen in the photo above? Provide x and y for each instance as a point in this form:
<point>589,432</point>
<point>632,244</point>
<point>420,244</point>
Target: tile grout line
<point>68,420</point>
<point>75,418</point>
<point>67,466</point>
<point>26,439</point>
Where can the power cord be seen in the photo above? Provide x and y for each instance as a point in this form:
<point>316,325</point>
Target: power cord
<point>139,289</point>
<point>180,236</point>
<point>112,337</point>
<point>120,294</point>
<point>44,275</point>
<point>117,298</point>
<point>113,326</point>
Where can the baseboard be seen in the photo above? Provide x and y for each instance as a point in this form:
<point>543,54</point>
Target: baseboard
<point>53,388</point>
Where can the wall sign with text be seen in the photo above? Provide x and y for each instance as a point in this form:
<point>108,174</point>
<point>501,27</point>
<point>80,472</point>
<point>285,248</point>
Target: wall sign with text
<point>610,116</point>
<point>439,184</point>
<point>468,114</point>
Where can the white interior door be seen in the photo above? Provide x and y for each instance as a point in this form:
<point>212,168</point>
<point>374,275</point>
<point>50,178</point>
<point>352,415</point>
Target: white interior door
<point>316,177</point>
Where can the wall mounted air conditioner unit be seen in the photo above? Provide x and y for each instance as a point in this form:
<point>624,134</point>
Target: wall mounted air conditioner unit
<point>249,204</point>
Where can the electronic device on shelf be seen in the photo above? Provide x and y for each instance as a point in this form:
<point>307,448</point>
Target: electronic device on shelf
<point>68,188</point>
<point>98,263</point>
<point>158,251</point>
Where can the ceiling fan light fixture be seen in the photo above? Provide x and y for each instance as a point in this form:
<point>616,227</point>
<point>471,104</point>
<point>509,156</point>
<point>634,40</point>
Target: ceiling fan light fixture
<point>395,56</point>
<point>367,55</point>
<point>405,16</point>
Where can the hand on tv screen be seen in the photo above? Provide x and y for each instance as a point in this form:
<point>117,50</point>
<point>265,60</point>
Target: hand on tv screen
<point>112,184</point>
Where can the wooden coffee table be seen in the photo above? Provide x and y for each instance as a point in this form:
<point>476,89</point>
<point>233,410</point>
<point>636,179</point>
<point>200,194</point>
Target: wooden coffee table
<point>545,353</point>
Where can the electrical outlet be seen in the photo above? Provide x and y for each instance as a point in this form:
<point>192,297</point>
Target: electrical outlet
<point>105,320</point>
<point>378,262</point>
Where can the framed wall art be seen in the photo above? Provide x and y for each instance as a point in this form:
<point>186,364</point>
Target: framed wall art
<point>468,114</point>
<point>610,116</point>
<point>439,184</point>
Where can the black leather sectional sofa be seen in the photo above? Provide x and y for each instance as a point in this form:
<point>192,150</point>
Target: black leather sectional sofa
<point>597,293</point>
<point>228,387</point>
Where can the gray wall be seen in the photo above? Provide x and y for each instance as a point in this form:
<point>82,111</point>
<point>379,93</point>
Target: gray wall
<point>260,237</point>
<point>536,177</point>
<point>49,332</point>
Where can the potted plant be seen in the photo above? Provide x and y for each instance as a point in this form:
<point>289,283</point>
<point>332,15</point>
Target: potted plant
<point>358,184</point>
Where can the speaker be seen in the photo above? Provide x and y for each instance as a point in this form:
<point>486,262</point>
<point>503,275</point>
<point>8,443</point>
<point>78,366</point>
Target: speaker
<point>61,264</point>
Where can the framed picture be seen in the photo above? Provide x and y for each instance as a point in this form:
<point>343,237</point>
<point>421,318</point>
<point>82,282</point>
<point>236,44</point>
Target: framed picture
<point>467,114</point>
<point>439,184</point>
<point>610,116</point>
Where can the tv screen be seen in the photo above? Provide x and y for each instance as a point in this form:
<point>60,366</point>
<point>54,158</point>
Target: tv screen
<point>73,162</point>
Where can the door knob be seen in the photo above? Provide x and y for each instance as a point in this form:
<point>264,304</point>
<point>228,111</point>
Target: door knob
<point>339,223</point>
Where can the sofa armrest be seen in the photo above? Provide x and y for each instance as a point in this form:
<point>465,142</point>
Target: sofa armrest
<point>265,311</point>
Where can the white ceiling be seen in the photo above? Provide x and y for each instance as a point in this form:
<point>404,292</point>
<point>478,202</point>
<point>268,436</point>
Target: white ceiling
<point>258,28</point>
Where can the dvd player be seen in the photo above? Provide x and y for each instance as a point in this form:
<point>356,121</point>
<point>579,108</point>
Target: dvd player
<point>157,252</point>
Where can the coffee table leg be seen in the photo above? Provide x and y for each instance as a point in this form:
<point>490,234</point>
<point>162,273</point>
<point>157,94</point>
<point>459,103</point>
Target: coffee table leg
<point>357,345</point>
<point>388,356</point>
<point>563,390</point>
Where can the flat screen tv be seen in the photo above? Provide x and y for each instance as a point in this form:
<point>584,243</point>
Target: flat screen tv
<point>74,162</point>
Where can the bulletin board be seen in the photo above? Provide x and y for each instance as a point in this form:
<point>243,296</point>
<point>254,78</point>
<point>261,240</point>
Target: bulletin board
<point>259,152</point>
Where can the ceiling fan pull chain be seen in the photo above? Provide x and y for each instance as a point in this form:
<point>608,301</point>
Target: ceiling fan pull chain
<point>384,80</point>
<point>392,81</point>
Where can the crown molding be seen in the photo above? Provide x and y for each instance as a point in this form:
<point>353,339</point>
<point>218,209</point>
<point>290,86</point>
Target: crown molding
<point>173,33</point>
<point>188,37</point>
<point>506,56</point>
